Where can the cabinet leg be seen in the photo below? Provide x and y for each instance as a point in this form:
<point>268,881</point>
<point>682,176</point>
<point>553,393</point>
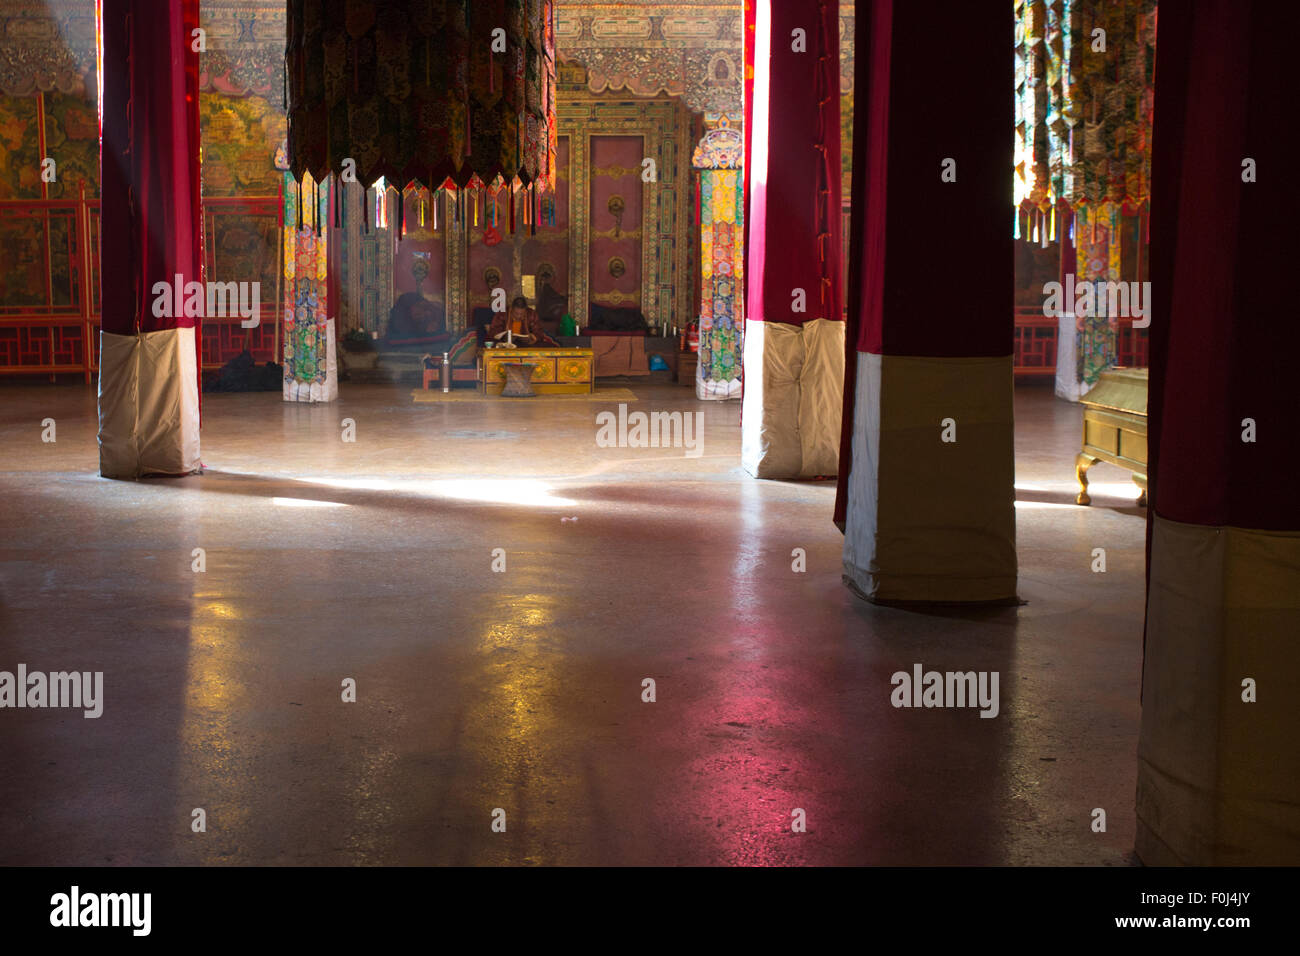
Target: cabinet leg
<point>1081,466</point>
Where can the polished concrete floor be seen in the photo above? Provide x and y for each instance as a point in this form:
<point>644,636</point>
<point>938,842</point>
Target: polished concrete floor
<point>521,690</point>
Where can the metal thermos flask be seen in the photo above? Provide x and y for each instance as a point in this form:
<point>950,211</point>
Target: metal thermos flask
<point>446,372</point>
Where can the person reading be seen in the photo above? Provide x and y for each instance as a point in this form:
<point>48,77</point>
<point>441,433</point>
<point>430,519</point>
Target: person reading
<point>520,326</point>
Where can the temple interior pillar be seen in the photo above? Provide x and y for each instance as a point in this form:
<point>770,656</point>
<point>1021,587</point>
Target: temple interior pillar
<point>1218,767</point>
<point>794,329</point>
<point>926,496</point>
<point>151,255</point>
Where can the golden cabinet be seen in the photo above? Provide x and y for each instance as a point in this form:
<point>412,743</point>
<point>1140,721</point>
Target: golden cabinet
<point>554,371</point>
<point>1115,428</point>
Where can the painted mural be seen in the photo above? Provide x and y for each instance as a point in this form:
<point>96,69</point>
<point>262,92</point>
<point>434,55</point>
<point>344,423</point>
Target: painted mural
<point>20,160</point>
<point>240,136</point>
<point>68,125</point>
<point>692,49</point>
<point>72,137</point>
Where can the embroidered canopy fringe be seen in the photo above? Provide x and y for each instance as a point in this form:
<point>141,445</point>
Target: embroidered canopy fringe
<point>468,87</point>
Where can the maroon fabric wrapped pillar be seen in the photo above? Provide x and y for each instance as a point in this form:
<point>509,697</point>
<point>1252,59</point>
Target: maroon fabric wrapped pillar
<point>794,333</point>
<point>1218,765</point>
<point>151,226</point>
<point>927,504</point>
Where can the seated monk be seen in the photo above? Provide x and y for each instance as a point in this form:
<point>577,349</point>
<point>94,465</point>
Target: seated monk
<point>523,324</point>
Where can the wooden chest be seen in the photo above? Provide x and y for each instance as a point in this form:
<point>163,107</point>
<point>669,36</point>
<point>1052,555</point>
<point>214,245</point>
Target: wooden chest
<point>555,371</point>
<point>1115,428</point>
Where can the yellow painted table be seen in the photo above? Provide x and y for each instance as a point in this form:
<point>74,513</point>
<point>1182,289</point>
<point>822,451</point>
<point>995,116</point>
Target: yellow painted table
<point>1115,428</point>
<point>555,371</point>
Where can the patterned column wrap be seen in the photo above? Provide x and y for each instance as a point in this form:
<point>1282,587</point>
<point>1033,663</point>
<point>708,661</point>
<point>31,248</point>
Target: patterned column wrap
<point>722,273</point>
<point>309,371</point>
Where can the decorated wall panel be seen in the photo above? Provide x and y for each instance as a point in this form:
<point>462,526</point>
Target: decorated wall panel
<point>616,220</point>
<point>663,126</point>
<point>20,150</point>
<point>691,49</point>
<point>60,126</point>
<point>546,254</point>
<point>364,259</point>
<point>420,258</point>
<point>240,138</point>
<point>491,257</point>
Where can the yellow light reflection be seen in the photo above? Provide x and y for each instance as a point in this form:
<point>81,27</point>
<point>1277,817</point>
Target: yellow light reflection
<point>214,690</point>
<point>521,687</point>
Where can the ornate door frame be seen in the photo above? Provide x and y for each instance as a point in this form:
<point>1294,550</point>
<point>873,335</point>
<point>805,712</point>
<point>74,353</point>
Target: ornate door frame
<point>663,123</point>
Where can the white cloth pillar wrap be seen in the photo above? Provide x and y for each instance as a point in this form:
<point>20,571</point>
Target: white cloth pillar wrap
<point>794,386</point>
<point>148,404</point>
<point>1219,778</point>
<point>929,520</point>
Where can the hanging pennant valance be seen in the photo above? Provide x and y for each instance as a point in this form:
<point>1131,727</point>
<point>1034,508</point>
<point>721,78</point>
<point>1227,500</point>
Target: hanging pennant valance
<point>1084,96</point>
<point>424,90</point>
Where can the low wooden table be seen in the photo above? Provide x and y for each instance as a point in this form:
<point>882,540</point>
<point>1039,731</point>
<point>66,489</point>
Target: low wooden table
<point>1115,428</point>
<point>554,371</point>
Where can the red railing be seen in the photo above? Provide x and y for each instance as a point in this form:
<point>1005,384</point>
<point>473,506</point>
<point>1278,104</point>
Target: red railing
<point>241,243</point>
<point>49,287</point>
<point>1131,346</point>
<point>1035,344</point>
<point>49,290</point>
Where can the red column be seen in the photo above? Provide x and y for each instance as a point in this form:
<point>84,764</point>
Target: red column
<point>926,491</point>
<point>794,333</point>
<point>151,221</point>
<point>1218,765</point>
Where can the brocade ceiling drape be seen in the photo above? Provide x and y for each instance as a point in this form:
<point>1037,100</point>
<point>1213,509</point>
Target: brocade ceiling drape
<point>422,89</point>
<point>1083,109</point>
